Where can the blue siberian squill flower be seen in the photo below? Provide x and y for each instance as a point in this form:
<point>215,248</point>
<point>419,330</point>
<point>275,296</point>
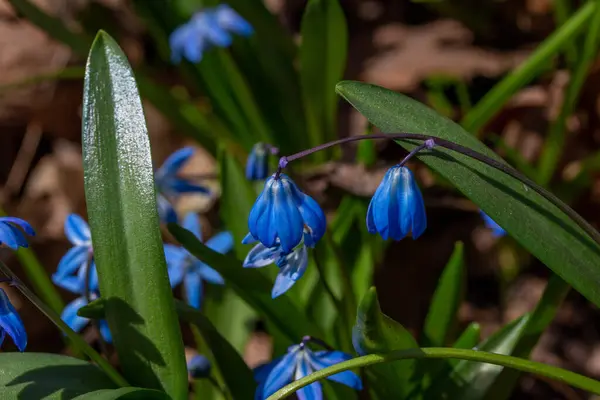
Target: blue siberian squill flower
<point>169,185</point>
<point>10,323</point>
<point>208,28</point>
<point>11,236</point>
<point>283,215</point>
<point>257,164</point>
<point>497,230</point>
<point>299,362</point>
<point>199,366</point>
<point>397,210</point>
<point>73,266</point>
<point>291,265</point>
<point>183,266</point>
<point>77,323</point>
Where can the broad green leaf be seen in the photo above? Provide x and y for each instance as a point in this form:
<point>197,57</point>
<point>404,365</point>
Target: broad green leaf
<point>128,249</point>
<point>541,317</point>
<point>470,380</point>
<point>375,332</point>
<point>48,376</point>
<point>235,372</point>
<point>535,222</point>
<point>323,54</point>
<point>252,287</point>
<point>448,295</point>
<point>128,393</point>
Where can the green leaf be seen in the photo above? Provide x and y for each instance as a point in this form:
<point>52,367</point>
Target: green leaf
<point>128,249</point>
<point>375,332</point>
<point>252,287</point>
<point>236,374</point>
<point>322,62</point>
<point>469,338</point>
<point>446,300</point>
<point>541,317</point>
<point>48,376</point>
<point>470,380</point>
<point>539,225</point>
<point>128,393</point>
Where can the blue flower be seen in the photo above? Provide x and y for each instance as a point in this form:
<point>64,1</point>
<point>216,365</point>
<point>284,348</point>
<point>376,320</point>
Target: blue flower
<point>397,208</point>
<point>72,268</point>
<point>283,215</point>
<point>77,323</point>
<point>11,236</point>
<point>10,323</point>
<point>497,230</point>
<point>199,366</point>
<point>183,266</point>
<point>207,28</point>
<point>291,265</point>
<point>257,164</point>
<point>169,186</point>
<point>299,362</point>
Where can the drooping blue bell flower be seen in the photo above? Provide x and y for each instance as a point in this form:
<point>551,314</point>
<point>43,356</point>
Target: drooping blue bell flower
<point>10,323</point>
<point>11,235</point>
<point>298,362</point>
<point>169,185</point>
<point>283,215</point>
<point>72,268</point>
<point>199,366</point>
<point>291,265</point>
<point>397,209</point>
<point>497,230</point>
<point>183,266</point>
<point>257,164</point>
<point>208,28</point>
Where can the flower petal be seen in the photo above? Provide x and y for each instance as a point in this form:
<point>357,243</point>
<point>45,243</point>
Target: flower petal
<point>199,366</point>
<point>11,323</point>
<point>222,242</point>
<point>260,256</point>
<point>21,223</point>
<point>292,267</point>
<point>105,331</point>
<point>280,375</point>
<point>72,260</point>
<point>7,236</point>
<point>69,314</point>
<point>77,230</point>
<point>230,20</point>
<point>181,185</point>
<point>166,212</point>
<point>191,222</point>
<point>175,161</point>
<point>313,391</point>
<point>380,205</point>
<point>324,359</point>
<point>193,289</point>
<point>287,217</point>
<point>210,275</point>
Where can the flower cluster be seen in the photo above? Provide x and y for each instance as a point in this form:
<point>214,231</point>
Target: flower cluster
<point>77,266</point>
<point>207,28</point>
<point>298,362</point>
<point>183,266</point>
<point>169,185</point>
<point>10,322</point>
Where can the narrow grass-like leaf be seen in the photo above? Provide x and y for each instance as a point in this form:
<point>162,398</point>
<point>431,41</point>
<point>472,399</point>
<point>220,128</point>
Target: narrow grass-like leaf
<point>48,376</point>
<point>121,200</point>
<point>471,380</point>
<point>496,98</point>
<point>235,372</point>
<point>251,286</point>
<point>375,332</point>
<point>555,373</point>
<point>541,317</point>
<point>129,393</point>
<point>539,225</point>
<point>446,300</point>
<point>322,62</point>
<point>469,338</point>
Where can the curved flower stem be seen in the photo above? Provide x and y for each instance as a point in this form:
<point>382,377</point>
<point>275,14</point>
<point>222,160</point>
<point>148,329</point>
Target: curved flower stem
<point>77,340</point>
<point>501,166</point>
<point>555,373</point>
